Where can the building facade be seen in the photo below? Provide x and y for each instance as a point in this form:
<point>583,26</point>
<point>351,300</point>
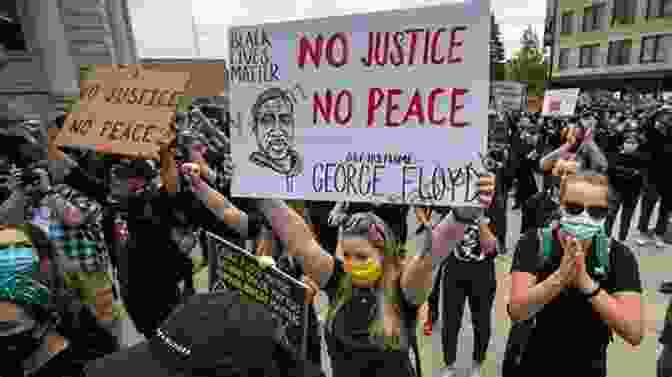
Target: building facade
<point>47,41</point>
<point>612,44</point>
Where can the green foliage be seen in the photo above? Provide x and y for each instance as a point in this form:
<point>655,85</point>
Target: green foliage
<point>528,65</point>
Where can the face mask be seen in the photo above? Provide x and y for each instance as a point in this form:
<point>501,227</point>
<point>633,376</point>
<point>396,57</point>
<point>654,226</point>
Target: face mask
<point>369,271</point>
<point>16,261</point>
<point>583,227</point>
<point>18,266</point>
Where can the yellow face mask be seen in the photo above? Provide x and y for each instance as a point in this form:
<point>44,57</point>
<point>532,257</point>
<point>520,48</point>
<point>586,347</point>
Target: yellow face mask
<point>369,271</point>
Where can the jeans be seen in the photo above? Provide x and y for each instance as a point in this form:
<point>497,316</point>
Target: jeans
<point>476,283</point>
<point>627,192</point>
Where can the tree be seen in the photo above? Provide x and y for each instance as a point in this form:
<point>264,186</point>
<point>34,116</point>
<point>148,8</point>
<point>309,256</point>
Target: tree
<point>497,67</point>
<point>528,64</point>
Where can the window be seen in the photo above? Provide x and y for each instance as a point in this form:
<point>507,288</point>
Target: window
<point>11,33</point>
<point>659,8</point>
<point>624,12</point>
<point>619,52</point>
<point>589,56</point>
<point>655,48</point>
<point>563,59</point>
<point>592,18</point>
<point>566,27</point>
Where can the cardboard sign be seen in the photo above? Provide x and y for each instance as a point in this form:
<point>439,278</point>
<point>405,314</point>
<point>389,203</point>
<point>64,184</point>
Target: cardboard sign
<point>382,107</point>
<point>560,102</point>
<point>233,268</point>
<point>207,78</point>
<point>509,95</point>
<point>124,111</point>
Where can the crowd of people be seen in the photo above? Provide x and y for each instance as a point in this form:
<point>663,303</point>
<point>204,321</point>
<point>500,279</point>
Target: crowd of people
<point>87,238</point>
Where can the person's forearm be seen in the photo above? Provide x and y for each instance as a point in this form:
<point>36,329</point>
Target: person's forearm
<point>291,229</point>
<point>628,325</point>
<point>488,240</point>
<point>416,280</point>
<point>547,162</point>
<point>169,173</point>
<point>539,295</point>
<point>222,208</point>
<point>207,173</point>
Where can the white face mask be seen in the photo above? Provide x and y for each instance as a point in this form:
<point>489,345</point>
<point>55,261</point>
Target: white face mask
<point>582,219</point>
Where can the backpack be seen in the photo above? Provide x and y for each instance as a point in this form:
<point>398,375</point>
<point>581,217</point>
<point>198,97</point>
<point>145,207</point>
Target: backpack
<point>521,331</point>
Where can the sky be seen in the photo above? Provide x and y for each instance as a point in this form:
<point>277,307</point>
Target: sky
<point>166,28</point>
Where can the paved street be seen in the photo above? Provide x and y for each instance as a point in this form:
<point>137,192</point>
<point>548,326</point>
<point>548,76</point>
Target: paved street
<point>624,361</point>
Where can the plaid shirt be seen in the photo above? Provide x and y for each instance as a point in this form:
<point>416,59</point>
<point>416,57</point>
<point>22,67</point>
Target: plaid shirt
<point>80,248</point>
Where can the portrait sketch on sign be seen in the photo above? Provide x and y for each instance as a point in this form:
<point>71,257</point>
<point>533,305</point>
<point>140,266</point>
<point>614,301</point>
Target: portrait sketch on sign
<point>273,125</point>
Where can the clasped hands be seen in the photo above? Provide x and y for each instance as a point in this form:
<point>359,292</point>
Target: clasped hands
<point>573,269</point>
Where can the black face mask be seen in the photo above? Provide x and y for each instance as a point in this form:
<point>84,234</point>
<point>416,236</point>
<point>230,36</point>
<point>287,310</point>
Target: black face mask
<point>15,349</point>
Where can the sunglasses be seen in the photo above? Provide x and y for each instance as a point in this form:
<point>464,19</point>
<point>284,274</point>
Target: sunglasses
<point>596,212</point>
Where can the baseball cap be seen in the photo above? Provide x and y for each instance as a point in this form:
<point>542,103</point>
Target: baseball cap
<point>217,334</point>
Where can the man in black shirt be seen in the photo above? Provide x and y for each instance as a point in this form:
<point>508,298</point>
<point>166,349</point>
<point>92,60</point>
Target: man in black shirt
<point>586,287</point>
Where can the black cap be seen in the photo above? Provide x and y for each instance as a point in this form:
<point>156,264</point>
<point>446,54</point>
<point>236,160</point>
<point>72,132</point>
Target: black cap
<point>215,334</point>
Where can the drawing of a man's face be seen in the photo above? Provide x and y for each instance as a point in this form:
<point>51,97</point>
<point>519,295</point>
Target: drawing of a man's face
<point>274,127</point>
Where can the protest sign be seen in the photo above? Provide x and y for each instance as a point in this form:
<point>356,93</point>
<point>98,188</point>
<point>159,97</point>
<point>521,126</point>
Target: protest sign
<point>560,102</point>
<point>207,78</point>
<point>233,268</point>
<point>509,95</point>
<point>381,107</point>
<point>124,111</point>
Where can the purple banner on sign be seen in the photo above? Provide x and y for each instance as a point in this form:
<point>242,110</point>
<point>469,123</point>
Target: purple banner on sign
<point>283,52</point>
<point>472,8</point>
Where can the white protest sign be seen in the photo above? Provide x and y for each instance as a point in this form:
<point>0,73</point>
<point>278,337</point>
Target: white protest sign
<point>382,107</point>
<point>560,102</point>
<point>509,95</point>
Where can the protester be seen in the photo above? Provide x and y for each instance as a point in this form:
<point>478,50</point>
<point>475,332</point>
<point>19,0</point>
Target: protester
<point>658,135</point>
<point>31,340</point>
<point>584,285</point>
<point>625,164</point>
<point>524,147</point>
<point>467,274</point>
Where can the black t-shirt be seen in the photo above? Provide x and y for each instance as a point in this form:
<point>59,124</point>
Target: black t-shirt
<point>569,333</point>
<point>351,351</point>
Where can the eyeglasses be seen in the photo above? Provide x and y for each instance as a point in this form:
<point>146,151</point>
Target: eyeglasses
<point>596,212</point>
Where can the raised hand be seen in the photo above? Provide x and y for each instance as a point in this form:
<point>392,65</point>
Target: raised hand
<point>486,189</point>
